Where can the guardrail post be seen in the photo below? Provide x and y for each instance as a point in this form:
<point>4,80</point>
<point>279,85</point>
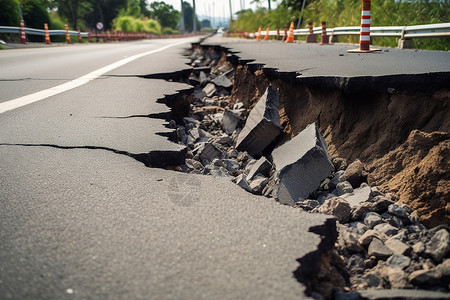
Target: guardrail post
<point>364,34</point>
<point>79,35</point>
<point>67,34</point>
<point>278,33</point>
<point>311,37</point>
<point>23,37</point>
<point>405,43</point>
<point>47,35</point>
<point>333,38</point>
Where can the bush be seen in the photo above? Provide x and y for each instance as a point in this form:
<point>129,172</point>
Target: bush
<point>152,26</point>
<point>168,30</point>
<point>125,24</point>
<point>131,24</point>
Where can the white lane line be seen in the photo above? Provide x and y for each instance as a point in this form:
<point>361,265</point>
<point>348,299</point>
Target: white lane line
<point>41,95</point>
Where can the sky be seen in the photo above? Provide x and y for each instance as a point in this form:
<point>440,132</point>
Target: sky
<point>217,8</point>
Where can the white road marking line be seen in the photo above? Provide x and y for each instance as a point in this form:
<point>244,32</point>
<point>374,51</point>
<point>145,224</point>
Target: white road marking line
<point>41,95</point>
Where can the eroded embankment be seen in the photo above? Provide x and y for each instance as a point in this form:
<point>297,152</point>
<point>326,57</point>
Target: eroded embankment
<point>367,126</point>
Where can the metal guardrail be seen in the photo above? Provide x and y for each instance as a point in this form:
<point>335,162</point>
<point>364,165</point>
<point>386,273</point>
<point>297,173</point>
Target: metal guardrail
<point>41,32</point>
<point>105,36</point>
<point>404,32</point>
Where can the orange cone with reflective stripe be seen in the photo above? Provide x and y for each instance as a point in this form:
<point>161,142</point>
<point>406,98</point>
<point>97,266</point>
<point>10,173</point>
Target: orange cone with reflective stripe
<point>47,35</point>
<point>67,34</point>
<point>290,37</point>
<point>266,37</point>
<point>23,37</point>
<point>258,37</point>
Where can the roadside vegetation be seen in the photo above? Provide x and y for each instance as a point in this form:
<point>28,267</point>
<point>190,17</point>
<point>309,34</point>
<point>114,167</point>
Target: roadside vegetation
<point>154,17</point>
<point>348,13</point>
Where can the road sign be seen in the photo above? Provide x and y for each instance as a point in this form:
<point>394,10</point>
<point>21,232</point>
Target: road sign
<point>99,25</point>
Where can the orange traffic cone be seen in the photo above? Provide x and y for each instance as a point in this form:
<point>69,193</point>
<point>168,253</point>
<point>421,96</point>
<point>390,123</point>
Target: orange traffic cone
<point>290,37</point>
<point>47,35</point>
<point>67,34</point>
<point>259,34</point>
<point>23,37</point>
<point>266,37</point>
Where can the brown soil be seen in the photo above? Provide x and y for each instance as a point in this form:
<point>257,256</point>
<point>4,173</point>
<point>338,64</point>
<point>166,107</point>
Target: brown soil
<point>367,127</point>
<point>418,172</point>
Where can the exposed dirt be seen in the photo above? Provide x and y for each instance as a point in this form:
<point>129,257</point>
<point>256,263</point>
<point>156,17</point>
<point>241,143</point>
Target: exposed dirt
<point>418,172</point>
<point>368,127</point>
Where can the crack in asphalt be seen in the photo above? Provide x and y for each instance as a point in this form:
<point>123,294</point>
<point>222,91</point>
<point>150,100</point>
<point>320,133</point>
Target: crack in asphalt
<point>152,159</point>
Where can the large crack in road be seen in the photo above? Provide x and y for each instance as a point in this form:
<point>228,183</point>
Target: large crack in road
<point>213,99</point>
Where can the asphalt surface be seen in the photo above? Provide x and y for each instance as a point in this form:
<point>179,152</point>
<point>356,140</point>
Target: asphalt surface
<point>81,218</point>
<point>331,66</point>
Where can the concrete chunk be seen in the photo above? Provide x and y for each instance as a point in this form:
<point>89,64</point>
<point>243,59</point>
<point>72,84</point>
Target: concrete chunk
<point>203,78</point>
<point>262,126</point>
<point>258,183</point>
<point>302,164</point>
<point>223,81</point>
<point>241,181</point>
<point>230,120</point>
<point>210,152</point>
<point>262,166</point>
<point>209,89</point>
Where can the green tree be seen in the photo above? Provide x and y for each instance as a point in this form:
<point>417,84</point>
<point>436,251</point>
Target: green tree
<point>9,13</point>
<point>73,10</point>
<point>165,14</point>
<point>35,13</point>
<point>188,17</point>
<point>103,11</point>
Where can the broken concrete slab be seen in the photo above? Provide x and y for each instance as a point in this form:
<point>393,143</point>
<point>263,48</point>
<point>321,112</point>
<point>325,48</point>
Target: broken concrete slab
<point>230,120</point>
<point>415,294</point>
<point>209,89</point>
<point>223,81</point>
<point>261,166</point>
<point>202,78</point>
<point>359,195</point>
<point>199,94</point>
<point>302,164</point>
<point>210,152</point>
<point>241,180</point>
<point>238,105</point>
<point>262,125</point>
<point>258,183</point>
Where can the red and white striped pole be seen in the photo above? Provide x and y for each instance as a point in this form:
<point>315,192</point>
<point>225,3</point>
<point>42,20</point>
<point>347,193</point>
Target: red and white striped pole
<point>324,39</point>
<point>89,36</point>
<point>364,34</point>
<point>311,38</point>
<point>79,35</point>
<point>23,37</point>
<point>47,35</point>
<point>67,34</point>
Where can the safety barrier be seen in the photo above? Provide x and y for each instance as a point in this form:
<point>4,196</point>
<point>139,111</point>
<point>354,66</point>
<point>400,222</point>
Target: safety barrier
<point>104,36</point>
<point>405,33</point>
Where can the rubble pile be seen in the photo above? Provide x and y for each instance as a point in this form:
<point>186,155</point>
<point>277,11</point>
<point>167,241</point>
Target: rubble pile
<point>381,241</point>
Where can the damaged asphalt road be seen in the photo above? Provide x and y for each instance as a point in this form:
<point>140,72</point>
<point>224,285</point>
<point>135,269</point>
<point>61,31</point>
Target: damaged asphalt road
<point>81,219</point>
